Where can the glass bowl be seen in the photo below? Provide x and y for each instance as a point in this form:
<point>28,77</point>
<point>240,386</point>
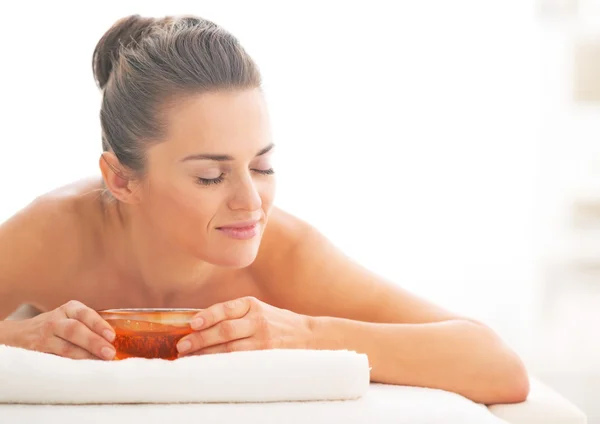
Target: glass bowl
<point>148,333</point>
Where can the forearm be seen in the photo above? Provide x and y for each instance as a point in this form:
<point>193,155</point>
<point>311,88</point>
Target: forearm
<point>457,356</point>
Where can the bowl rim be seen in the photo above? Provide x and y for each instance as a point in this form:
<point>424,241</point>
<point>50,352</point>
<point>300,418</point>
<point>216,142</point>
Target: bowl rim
<point>148,310</point>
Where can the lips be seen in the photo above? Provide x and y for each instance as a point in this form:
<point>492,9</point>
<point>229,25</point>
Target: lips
<point>243,225</point>
<point>240,230</point>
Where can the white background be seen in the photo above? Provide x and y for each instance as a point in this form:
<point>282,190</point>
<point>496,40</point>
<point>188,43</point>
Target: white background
<point>423,138</point>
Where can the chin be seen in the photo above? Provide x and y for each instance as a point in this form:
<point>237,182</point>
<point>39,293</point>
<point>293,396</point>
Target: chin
<point>239,258</point>
<point>235,262</point>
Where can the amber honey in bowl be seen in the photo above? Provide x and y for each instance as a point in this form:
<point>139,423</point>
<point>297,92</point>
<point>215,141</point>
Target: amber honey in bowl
<point>148,333</point>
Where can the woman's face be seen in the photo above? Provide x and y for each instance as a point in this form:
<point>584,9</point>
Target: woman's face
<point>213,171</point>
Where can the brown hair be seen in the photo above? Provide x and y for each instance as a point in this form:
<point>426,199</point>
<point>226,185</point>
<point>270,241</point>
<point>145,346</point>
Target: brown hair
<point>144,64</point>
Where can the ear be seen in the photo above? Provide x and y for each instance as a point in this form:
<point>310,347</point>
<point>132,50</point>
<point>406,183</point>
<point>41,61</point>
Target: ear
<point>118,180</point>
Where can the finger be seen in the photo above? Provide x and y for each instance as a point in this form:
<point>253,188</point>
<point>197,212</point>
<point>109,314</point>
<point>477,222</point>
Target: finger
<point>80,312</point>
<point>60,347</point>
<point>232,346</point>
<point>223,332</point>
<point>75,332</point>
<point>222,311</point>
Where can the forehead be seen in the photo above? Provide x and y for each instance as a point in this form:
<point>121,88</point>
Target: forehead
<point>227,122</point>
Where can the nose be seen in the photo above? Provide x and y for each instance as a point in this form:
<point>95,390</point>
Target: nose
<point>245,196</point>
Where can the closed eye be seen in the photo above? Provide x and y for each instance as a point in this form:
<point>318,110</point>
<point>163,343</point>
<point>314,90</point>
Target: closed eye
<point>209,181</point>
<point>220,178</point>
<point>269,171</point>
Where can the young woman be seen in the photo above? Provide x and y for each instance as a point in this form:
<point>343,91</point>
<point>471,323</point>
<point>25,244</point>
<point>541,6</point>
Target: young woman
<point>183,216</point>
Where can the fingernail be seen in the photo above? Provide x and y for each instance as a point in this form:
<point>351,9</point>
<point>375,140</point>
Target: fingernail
<point>197,323</point>
<point>107,352</point>
<point>109,335</point>
<point>184,346</point>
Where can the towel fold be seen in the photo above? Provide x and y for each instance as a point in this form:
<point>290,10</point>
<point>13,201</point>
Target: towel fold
<point>253,376</point>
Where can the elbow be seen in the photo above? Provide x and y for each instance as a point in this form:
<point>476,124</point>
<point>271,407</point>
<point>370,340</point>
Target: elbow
<point>517,384</point>
<point>510,376</point>
<point>506,385</point>
<point>506,376</point>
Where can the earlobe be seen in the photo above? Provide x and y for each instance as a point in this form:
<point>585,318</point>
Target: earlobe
<point>117,180</point>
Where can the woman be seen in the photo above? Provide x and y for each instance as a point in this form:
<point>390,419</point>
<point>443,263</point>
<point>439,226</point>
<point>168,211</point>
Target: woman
<point>179,219</point>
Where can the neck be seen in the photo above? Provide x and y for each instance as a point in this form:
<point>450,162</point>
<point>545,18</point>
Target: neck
<point>155,272</point>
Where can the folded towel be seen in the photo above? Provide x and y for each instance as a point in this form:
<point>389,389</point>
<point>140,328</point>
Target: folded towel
<point>254,376</point>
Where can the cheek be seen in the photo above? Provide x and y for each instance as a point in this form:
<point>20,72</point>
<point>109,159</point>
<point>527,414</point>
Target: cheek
<point>185,208</point>
<point>267,194</point>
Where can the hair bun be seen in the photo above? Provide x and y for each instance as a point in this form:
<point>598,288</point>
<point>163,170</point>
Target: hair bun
<point>123,33</point>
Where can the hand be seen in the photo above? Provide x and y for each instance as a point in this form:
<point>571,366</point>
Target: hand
<point>72,330</point>
<point>245,324</point>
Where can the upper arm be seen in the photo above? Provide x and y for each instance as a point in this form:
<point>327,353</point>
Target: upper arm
<point>314,277</point>
<point>34,251</point>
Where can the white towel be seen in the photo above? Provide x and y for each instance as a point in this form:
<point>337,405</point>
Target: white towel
<point>254,376</point>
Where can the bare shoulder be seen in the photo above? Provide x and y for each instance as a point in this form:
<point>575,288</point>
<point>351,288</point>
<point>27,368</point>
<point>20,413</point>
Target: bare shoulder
<point>300,269</point>
<point>41,246</point>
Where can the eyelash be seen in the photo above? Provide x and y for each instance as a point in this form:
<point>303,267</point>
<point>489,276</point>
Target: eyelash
<point>206,181</point>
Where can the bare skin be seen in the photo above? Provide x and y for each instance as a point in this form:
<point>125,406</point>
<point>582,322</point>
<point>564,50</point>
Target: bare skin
<point>158,243</point>
<point>73,218</point>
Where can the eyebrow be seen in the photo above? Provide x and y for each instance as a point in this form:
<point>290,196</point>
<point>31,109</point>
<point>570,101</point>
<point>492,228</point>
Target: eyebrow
<point>222,158</point>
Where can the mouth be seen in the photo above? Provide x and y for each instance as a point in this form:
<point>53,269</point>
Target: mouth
<point>240,230</point>
<point>239,225</point>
